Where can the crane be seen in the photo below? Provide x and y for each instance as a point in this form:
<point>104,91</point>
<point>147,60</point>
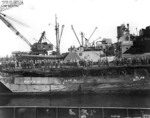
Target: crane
<point>95,41</point>
<point>41,47</point>
<point>42,36</point>
<point>61,33</point>
<point>92,33</point>
<point>87,40</point>
<point>13,29</point>
<point>76,35</point>
<point>36,48</point>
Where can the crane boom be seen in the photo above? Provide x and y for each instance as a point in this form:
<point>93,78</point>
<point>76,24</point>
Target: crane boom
<point>75,34</point>
<point>92,33</point>
<point>61,33</point>
<point>42,36</point>
<point>95,40</point>
<point>14,29</point>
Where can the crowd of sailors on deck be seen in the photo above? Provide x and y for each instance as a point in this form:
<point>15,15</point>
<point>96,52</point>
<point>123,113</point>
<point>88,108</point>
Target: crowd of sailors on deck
<point>31,64</point>
<point>124,61</point>
<point>47,63</point>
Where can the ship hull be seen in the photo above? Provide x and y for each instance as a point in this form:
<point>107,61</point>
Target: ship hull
<point>56,84</point>
<point>73,84</point>
<point>96,80</point>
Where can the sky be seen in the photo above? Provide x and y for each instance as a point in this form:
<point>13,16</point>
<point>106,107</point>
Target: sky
<point>36,16</point>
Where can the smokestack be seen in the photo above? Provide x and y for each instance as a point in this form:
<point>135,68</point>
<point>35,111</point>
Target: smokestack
<point>128,31</point>
<point>119,32</point>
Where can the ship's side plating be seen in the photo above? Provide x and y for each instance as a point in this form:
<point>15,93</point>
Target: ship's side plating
<point>48,84</point>
<point>78,83</point>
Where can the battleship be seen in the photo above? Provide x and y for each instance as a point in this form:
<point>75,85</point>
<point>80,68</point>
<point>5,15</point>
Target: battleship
<point>99,67</point>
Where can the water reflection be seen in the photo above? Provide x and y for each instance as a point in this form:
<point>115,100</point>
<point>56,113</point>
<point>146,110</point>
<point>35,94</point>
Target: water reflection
<point>38,112</point>
<point>91,113</point>
<point>6,113</point>
<point>145,113</point>
<point>115,113</point>
<point>79,101</point>
<point>45,113</point>
<point>83,106</point>
<point>68,113</point>
<point>24,113</point>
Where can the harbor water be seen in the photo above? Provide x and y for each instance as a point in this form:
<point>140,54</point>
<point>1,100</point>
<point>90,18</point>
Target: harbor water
<point>76,106</point>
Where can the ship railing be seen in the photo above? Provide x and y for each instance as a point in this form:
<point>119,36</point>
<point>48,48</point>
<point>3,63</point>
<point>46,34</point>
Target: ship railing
<point>30,64</point>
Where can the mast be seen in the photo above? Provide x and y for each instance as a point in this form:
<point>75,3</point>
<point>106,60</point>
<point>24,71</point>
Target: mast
<point>57,36</point>
<point>82,38</point>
